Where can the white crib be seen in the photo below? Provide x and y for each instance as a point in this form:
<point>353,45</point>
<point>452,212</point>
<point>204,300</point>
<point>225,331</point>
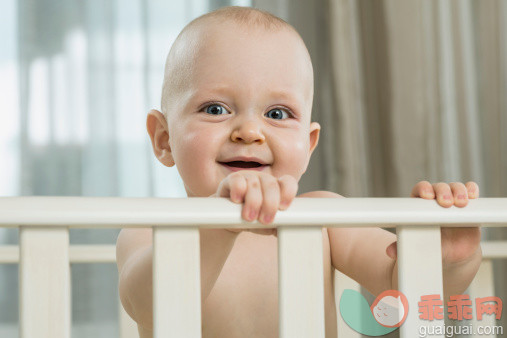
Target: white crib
<point>44,255</point>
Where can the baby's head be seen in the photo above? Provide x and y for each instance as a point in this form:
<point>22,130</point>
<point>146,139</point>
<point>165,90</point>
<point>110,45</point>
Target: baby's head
<point>237,94</point>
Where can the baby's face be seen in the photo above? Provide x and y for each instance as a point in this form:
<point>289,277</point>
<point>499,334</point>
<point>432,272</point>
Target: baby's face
<point>246,106</point>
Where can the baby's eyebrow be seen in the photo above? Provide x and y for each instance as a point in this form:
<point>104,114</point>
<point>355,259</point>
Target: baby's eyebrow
<point>284,94</point>
<point>228,90</point>
<point>201,94</point>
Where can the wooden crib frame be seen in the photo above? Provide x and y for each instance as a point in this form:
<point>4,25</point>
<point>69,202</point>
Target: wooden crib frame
<point>44,254</point>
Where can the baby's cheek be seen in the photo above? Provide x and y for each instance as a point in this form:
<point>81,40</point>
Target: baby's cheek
<point>195,160</point>
<point>293,157</point>
<point>196,146</point>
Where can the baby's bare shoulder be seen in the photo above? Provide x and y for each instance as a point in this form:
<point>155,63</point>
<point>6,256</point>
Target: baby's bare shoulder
<point>321,193</point>
<point>130,241</point>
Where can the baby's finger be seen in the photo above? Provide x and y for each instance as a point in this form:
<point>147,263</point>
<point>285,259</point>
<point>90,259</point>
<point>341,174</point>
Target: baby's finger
<point>237,185</point>
<point>473,189</point>
<point>460,194</point>
<point>223,189</point>
<point>288,190</point>
<point>270,198</point>
<point>253,198</point>
<point>423,189</point>
<point>443,194</point>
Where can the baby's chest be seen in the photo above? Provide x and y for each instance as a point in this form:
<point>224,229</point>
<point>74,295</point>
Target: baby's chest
<point>244,300</point>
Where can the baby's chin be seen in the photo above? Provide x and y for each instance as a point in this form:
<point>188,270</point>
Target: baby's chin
<point>198,190</point>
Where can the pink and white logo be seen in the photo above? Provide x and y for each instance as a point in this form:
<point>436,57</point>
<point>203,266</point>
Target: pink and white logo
<point>390,308</point>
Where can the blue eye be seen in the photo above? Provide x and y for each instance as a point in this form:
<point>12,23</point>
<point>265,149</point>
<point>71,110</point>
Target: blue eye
<point>216,109</point>
<point>277,114</point>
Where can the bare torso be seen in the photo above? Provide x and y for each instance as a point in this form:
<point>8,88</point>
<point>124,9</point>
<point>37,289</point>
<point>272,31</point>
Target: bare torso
<point>244,300</point>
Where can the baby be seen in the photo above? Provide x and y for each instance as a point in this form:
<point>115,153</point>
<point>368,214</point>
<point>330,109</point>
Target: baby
<point>236,122</point>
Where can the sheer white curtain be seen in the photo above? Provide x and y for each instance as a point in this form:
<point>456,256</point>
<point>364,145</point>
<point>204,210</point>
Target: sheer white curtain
<point>77,79</point>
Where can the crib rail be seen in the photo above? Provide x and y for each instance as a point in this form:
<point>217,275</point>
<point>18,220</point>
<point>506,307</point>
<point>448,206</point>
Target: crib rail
<point>482,285</point>
<point>43,224</point>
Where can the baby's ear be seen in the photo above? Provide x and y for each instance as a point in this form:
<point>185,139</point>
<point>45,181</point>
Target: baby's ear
<point>159,135</point>
<point>314,135</point>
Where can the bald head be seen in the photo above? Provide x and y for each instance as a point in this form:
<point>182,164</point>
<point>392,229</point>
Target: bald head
<point>198,37</point>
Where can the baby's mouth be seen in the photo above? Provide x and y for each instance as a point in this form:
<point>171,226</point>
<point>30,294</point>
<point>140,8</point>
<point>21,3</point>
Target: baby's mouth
<point>242,165</point>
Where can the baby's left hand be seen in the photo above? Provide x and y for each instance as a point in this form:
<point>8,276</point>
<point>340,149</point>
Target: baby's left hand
<point>458,244</point>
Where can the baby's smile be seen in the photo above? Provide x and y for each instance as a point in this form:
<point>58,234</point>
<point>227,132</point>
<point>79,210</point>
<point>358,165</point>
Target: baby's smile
<point>244,163</point>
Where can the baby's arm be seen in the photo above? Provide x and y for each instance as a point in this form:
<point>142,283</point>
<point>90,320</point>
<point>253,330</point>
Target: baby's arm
<point>134,258</point>
<point>360,253</point>
<point>368,255</point>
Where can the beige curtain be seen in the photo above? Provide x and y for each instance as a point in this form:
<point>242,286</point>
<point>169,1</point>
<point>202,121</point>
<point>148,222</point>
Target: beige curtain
<point>406,91</point>
<point>418,95</point>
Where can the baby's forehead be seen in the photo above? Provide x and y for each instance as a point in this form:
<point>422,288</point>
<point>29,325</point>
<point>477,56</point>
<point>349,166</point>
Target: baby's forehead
<point>227,48</point>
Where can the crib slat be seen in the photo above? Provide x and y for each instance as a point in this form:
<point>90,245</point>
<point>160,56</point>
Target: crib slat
<point>483,286</point>
<point>419,272</point>
<point>44,279</point>
<point>341,283</point>
<point>300,282</point>
<point>176,282</point>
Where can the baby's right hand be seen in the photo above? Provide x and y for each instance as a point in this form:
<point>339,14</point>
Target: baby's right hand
<point>261,193</point>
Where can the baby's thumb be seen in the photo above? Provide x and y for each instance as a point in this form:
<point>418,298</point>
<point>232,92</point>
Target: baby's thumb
<point>392,250</point>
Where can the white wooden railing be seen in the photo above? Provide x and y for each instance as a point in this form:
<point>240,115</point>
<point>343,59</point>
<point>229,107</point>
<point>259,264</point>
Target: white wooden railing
<point>44,252</point>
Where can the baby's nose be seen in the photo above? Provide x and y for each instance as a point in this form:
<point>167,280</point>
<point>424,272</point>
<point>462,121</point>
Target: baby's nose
<point>248,132</point>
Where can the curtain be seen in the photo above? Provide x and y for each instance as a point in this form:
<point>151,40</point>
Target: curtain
<point>77,80</point>
<point>407,91</point>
